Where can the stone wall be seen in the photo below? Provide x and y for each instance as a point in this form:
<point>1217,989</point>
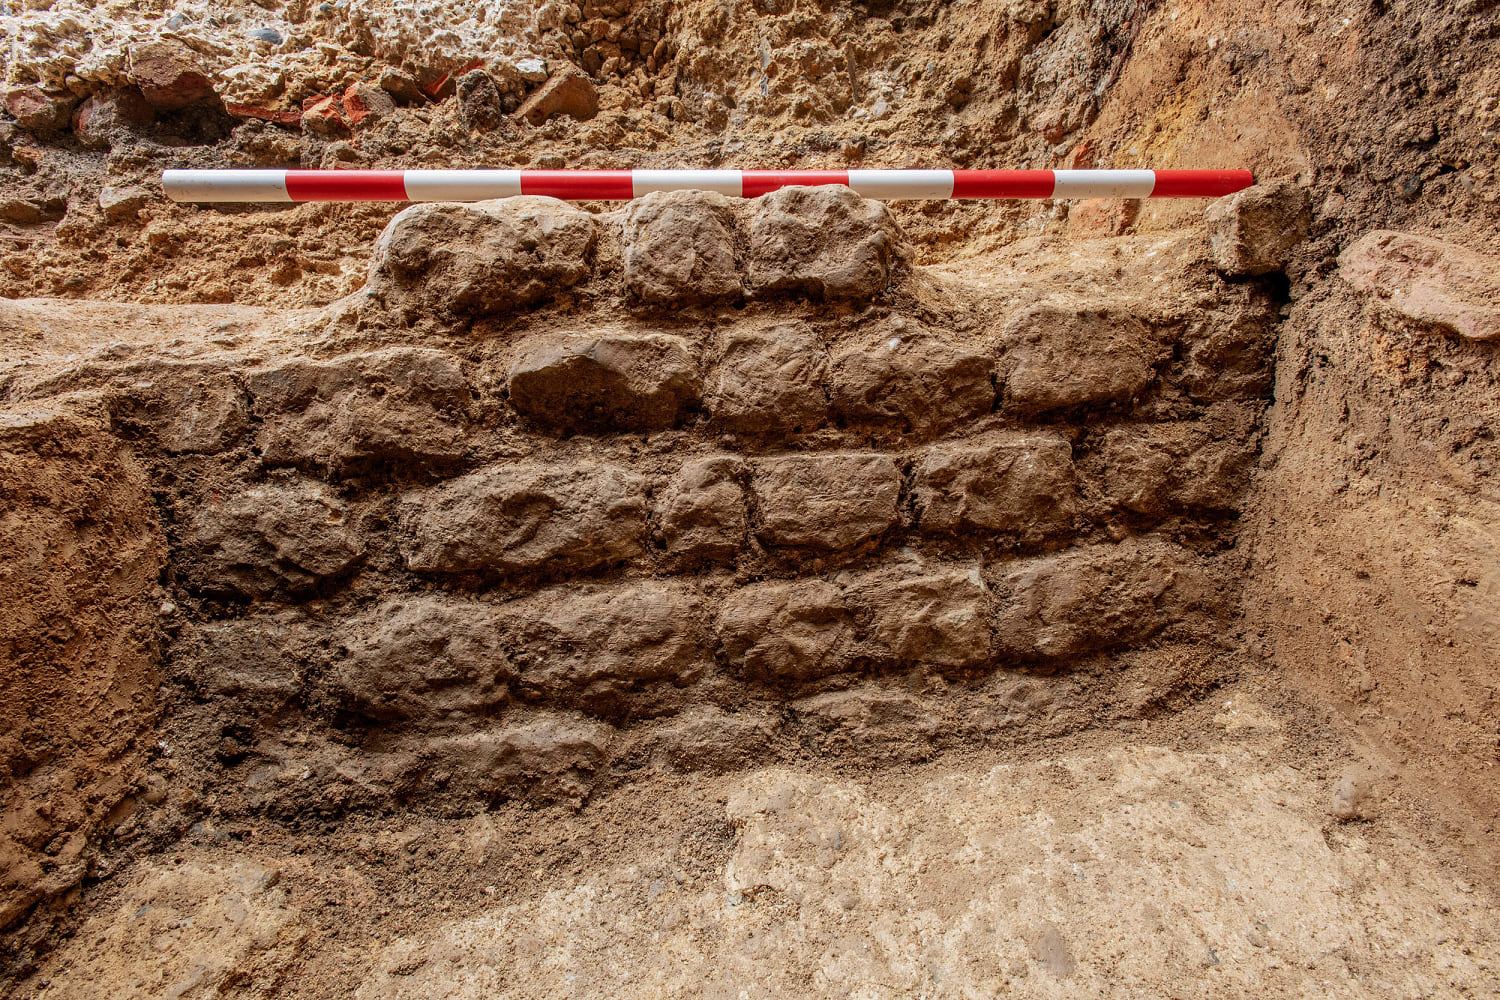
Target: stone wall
<point>692,484</point>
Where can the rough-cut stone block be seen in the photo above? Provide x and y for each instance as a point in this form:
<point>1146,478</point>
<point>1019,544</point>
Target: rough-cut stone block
<point>187,408</point>
<point>400,409</point>
<point>543,755</point>
<point>1254,230</point>
<point>879,720</point>
<point>482,258</point>
<point>707,739</point>
<point>275,537</point>
<point>1226,350</point>
<point>1014,482</point>
<point>1059,356</point>
<point>170,75</point>
<point>940,618</point>
<point>680,247</point>
<point>423,657</point>
<point>1075,602</point>
<point>823,241</point>
<point>798,630</point>
<point>769,382</point>
<point>638,382</point>
<point>701,514</point>
<point>256,663</point>
<point>1429,282</point>
<point>826,501</point>
<point>911,380</point>
<point>1156,469</point>
<point>526,518</point>
<point>593,644</point>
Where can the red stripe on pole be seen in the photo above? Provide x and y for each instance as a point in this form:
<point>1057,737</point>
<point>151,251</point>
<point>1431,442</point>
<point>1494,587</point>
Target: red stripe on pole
<point>759,182</point>
<point>346,185</point>
<point>1003,183</point>
<point>1200,183</point>
<point>580,185</point>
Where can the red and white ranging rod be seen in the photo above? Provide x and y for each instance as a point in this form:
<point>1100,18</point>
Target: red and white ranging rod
<point>616,185</point>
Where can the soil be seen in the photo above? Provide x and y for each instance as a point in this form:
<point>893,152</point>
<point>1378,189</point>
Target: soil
<point>789,597</point>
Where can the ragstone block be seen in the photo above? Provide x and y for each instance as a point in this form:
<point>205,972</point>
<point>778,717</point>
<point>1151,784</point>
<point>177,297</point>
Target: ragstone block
<point>635,382</point>
<point>525,519</point>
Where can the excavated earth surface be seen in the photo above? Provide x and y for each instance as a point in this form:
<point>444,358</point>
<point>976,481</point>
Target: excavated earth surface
<point>798,596</point>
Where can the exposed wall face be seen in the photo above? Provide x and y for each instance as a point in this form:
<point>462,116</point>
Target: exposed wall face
<point>1378,542</point>
<point>690,485</point>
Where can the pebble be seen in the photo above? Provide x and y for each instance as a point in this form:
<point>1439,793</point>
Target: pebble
<point>269,35</point>
<point>176,21</point>
<point>532,70</point>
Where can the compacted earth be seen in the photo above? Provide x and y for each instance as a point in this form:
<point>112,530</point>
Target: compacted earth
<point>794,596</point>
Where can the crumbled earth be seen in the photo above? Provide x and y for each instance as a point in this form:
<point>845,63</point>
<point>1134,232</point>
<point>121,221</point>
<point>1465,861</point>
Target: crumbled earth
<point>795,596</point>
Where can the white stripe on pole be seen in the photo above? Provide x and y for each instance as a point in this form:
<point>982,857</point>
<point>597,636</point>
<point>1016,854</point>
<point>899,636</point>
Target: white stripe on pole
<point>726,182</point>
<point>461,185</point>
<point>225,185</point>
<point>1103,183</point>
<point>892,184</point>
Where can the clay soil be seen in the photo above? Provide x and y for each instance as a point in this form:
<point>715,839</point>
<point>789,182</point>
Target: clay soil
<point>1236,731</point>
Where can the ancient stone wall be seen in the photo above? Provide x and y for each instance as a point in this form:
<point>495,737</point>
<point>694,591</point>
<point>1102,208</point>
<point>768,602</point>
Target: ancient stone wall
<point>692,484</point>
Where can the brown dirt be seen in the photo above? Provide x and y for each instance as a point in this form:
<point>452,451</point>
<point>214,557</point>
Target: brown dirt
<point>686,598</point>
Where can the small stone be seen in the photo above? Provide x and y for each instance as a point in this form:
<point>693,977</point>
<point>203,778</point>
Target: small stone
<point>911,381</point>
<point>324,116</point>
<point>38,111</point>
<point>1429,282</point>
<point>122,204</point>
<point>170,75</point>
<point>1353,796</point>
<point>363,103</point>
<point>826,501</point>
<point>30,211</point>
<point>799,630</point>
<point>1155,469</point>
<point>568,92</point>
<point>1254,231</point>
<point>398,411</point>
<point>939,618</point>
<point>401,85</point>
<point>176,22</point>
<point>269,36</point>
<point>601,644</point>
<point>479,106</point>
<point>1066,605</point>
<point>110,117</point>
<point>427,656</point>
<point>532,70</point>
<point>191,408</point>
<point>639,382</point>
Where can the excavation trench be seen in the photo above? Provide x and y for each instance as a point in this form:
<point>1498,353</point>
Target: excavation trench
<point>689,496</point>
